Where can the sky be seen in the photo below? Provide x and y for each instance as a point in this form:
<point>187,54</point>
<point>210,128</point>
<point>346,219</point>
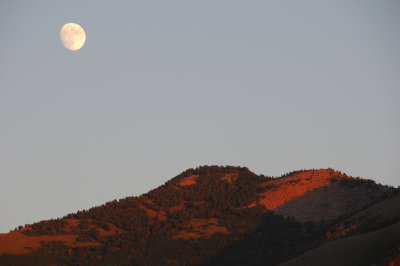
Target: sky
<point>163,86</point>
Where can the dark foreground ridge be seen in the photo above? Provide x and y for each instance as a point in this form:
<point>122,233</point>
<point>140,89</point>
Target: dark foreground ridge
<point>216,215</point>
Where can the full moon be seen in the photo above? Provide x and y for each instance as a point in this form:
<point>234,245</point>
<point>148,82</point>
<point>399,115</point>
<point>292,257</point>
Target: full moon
<point>72,36</point>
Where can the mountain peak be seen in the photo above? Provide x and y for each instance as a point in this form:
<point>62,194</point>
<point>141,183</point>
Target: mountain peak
<point>198,210</point>
<point>202,173</point>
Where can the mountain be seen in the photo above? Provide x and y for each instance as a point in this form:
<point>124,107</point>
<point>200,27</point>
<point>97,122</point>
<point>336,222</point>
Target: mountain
<point>215,215</point>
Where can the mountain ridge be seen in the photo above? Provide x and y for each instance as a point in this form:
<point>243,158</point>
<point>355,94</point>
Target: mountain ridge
<point>210,206</point>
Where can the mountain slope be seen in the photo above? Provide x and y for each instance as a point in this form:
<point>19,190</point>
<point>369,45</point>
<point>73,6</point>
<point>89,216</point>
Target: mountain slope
<point>370,236</point>
<point>199,217</point>
<point>357,250</point>
<point>334,201</point>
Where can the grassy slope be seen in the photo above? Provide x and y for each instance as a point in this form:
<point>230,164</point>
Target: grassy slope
<point>378,215</point>
<point>361,249</point>
<point>331,202</point>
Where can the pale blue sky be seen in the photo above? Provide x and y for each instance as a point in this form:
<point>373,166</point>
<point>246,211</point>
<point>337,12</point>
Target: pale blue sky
<point>163,86</point>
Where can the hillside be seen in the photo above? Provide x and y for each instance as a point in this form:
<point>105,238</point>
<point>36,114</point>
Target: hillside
<point>356,250</point>
<point>209,215</point>
<point>381,245</point>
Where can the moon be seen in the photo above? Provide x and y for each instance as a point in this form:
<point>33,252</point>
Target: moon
<point>72,36</point>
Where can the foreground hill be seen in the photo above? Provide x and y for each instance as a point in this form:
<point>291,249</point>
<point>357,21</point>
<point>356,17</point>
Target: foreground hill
<point>381,244</point>
<point>208,215</point>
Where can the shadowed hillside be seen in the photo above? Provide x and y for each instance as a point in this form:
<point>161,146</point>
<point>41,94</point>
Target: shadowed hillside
<point>357,250</point>
<point>342,197</point>
<point>208,215</point>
